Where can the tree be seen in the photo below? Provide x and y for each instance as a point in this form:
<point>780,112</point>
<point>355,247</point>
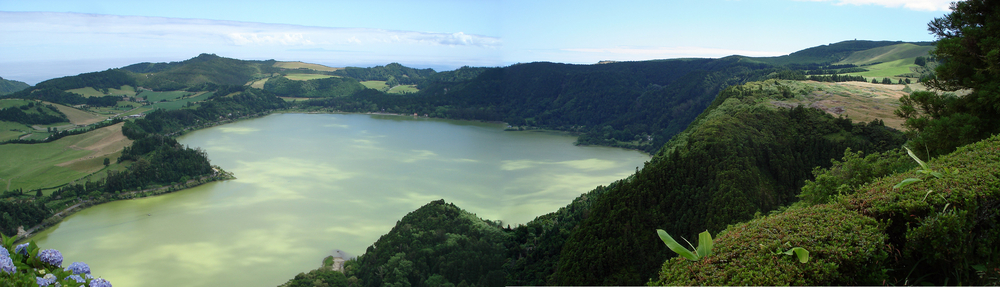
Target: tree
<point>920,61</point>
<point>968,48</point>
<point>107,161</point>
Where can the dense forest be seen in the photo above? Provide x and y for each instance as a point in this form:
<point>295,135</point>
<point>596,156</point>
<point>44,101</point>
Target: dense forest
<point>393,74</point>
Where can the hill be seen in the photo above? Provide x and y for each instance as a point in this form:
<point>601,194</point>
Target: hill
<point>10,86</point>
<point>201,70</point>
<point>832,53</point>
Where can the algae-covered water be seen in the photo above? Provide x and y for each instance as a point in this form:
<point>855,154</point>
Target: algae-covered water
<point>309,184</point>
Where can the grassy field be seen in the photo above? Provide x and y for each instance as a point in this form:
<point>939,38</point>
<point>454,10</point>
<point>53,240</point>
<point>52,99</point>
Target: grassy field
<point>300,65</point>
<point>12,130</point>
<point>7,103</point>
<point>306,77</point>
<point>856,100</point>
<point>377,85</point>
<point>258,84</point>
<point>32,166</point>
<point>177,104</point>
<point>403,89</point>
<point>87,92</point>
<point>154,97</point>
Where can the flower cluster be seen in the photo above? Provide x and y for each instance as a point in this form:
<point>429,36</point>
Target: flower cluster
<point>41,268</point>
<point>78,268</point>
<point>100,282</point>
<point>51,256</point>
<point>6,264</point>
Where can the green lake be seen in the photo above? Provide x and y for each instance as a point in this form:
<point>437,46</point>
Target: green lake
<point>310,184</point>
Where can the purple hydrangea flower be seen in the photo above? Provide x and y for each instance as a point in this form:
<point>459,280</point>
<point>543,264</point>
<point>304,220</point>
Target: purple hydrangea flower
<point>51,256</point>
<point>4,252</point>
<point>100,282</point>
<point>49,279</point>
<point>78,268</point>
<point>21,249</point>
<point>76,278</point>
<point>7,265</point>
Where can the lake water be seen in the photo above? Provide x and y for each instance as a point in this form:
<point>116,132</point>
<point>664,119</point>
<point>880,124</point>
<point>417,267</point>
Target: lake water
<point>309,184</point>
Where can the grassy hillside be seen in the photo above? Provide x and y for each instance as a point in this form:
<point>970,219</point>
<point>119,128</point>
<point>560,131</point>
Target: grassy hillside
<point>832,53</point>
<point>859,101</point>
<point>197,71</point>
<point>886,54</point>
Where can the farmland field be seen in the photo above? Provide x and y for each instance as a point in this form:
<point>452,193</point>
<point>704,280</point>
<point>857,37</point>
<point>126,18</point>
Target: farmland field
<point>888,69</point>
<point>258,84</point>
<point>11,130</point>
<point>306,77</point>
<point>32,166</point>
<point>858,101</point>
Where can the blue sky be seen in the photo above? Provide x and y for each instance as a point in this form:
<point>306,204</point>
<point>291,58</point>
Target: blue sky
<point>44,39</point>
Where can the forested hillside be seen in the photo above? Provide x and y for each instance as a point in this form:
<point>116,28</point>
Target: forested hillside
<point>10,86</point>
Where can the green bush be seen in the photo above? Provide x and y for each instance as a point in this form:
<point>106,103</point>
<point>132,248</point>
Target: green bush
<point>942,229</point>
<point>845,248</point>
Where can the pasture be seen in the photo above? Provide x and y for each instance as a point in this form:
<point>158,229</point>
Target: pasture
<point>258,84</point>
<point>306,77</point>
<point>12,130</point>
<point>888,69</point>
<point>43,165</point>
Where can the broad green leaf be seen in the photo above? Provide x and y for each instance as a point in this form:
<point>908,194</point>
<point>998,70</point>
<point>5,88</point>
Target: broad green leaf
<point>704,244</point>
<point>910,152</point>
<point>799,252</point>
<point>676,247</point>
<point>906,182</point>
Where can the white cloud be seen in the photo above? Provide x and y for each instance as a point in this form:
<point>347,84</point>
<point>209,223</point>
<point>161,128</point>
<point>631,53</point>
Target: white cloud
<point>639,53</point>
<point>918,5</point>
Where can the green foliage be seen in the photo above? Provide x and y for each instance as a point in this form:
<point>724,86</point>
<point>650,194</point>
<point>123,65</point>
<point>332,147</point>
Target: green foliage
<point>850,173</point>
<point>437,244</point>
<point>318,278</point>
<point>401,74</point>
<point>704,245</point>
<point>844,248</point>
<point>968,48</point>
<point>318,88</point>
<point>938,229</point>
<point>740,157</point>
<point>14,213</point>
<point>31,114</point>
<point>200,70</point>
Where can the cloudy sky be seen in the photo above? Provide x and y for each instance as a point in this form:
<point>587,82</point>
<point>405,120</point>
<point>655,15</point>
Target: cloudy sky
<point>42,39</point>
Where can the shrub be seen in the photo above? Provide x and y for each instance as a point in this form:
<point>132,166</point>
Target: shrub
<point>845,248</point>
